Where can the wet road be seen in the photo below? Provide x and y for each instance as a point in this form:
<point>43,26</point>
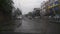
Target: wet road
<point>53,28</point>
<point>41,26</point>
<point>29,26</point>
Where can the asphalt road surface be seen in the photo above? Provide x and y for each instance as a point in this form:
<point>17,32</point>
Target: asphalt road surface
<point>29,26</point>
<point>41,26</point>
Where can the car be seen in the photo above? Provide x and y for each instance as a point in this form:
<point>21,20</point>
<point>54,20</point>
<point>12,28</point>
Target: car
<point>55,19</point>
<point>19,17</point>
<point>19,20</point>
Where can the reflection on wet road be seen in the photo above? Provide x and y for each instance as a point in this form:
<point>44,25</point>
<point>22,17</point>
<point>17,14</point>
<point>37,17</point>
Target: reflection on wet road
<point>29,26</point>
<point>43,27</point>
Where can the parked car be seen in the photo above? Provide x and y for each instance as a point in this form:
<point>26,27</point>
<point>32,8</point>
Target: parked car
<point>17,18</point>
<point>55,19</point>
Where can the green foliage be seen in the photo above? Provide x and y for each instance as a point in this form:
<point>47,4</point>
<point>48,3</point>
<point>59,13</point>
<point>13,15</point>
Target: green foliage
<point>5,15</point>
<point>6,6</point>
<point>18,12</point>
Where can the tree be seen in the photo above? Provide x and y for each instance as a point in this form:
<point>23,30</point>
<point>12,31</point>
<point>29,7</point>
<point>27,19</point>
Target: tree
<point>18,12</point>
<point>5,15</point>
<point>6,7</point>
<point>37,13</point>
<point>30,13</point>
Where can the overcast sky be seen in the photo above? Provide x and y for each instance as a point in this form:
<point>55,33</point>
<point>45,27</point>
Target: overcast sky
<point>27,5</point>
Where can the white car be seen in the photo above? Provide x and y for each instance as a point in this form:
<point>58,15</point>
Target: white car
<point>18,21</point>
<point>19,17</point>
<point>55,19</point>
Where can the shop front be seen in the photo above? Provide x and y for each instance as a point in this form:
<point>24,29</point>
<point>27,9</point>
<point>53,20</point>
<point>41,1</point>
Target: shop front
<point>54,15</point>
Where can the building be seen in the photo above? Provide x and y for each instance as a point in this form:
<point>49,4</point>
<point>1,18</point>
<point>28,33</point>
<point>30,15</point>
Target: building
<point>46,6</point>
<point>54,5</point>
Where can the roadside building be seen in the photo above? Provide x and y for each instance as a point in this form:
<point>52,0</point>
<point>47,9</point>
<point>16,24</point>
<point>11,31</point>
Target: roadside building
<point>54,6</point>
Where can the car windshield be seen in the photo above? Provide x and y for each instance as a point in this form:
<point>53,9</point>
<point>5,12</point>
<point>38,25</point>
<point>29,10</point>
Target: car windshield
<point>30,16</point>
